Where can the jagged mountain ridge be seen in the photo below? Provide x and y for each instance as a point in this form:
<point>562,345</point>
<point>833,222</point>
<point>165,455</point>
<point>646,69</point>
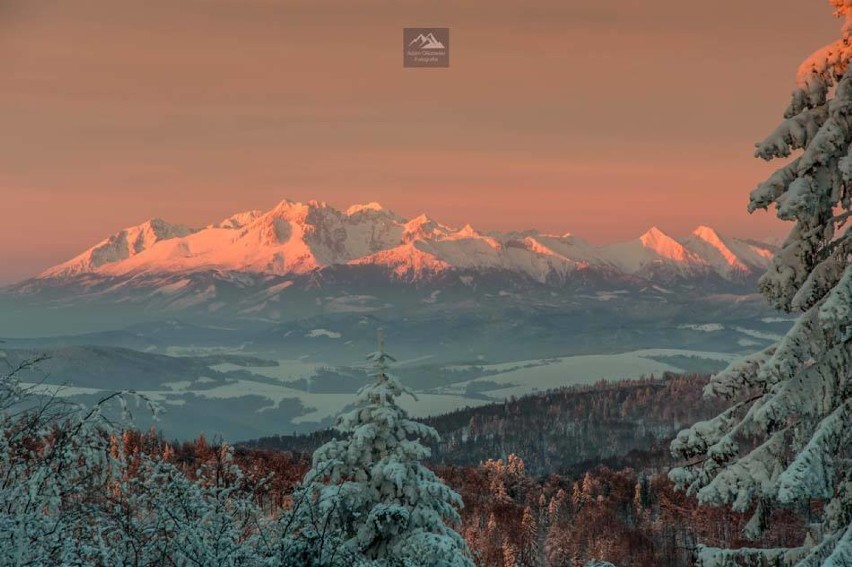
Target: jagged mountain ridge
<point>295,239</point>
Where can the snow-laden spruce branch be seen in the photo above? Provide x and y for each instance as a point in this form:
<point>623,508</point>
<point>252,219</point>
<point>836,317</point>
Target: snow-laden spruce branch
<point>785,441</point>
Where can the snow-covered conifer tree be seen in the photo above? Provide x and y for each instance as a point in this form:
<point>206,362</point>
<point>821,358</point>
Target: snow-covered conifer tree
<point>786,438</point>
<point>368,497</point>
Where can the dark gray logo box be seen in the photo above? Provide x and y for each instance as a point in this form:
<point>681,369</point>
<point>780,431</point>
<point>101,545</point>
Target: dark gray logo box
<point>425,47</point>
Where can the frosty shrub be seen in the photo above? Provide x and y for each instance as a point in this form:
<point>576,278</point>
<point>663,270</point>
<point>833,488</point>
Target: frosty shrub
<point>69,494</point>
<point>368,498</point>
<point>55,470</point>
<point>785,440</point>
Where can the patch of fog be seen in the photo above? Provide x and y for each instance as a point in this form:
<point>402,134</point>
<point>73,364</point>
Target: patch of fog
<point>287,370</point>
<point>703,327</point>
<point>759,334</point>
<point>433,297</point>
<point>778,319</point>
<point>350,304</point>
<point>314,333</point>
<point>203,351</point>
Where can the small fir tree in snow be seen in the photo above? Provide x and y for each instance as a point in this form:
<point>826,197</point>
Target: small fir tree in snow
<point>786,438</point>
<point>367,495</point>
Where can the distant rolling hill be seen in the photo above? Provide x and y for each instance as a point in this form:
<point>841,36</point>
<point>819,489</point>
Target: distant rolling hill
<point>618,423</point>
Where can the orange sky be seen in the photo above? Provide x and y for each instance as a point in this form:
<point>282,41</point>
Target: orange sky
<point>598,118</point>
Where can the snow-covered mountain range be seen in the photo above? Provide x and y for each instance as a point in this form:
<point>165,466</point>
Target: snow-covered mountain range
<point>301,238</point>
<point>182,313</point>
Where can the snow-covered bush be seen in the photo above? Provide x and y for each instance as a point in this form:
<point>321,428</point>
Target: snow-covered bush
<point>367,494</point>
<point>785,441</point>
<point>55,469</point>
<point>160,516</point>
<point>70,495</point>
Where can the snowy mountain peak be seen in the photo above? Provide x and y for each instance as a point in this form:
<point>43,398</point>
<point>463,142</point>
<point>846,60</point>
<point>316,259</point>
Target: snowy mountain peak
<point>239,220</point>
<point>728,256</point>
<point>372,206</point>
<point>654,234</point>
<point>706,233</point>
<point>120,246</point>
<point>423,228</point>
<point>713,240</point>
<point>420,220</point>
<point>665,246</point>
<point>652,252</point>
<point>467,231</point>
<point>284,204</point>
<point>288,208</point>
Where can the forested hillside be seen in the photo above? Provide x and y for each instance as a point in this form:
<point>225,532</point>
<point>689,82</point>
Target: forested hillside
<point>567,429</point>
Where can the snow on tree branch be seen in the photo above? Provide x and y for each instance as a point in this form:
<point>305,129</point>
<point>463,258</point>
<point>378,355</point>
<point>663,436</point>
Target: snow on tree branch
<point>786,438</point>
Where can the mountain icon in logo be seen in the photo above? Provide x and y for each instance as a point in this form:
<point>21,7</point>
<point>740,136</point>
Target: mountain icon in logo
<point>428,41</point>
